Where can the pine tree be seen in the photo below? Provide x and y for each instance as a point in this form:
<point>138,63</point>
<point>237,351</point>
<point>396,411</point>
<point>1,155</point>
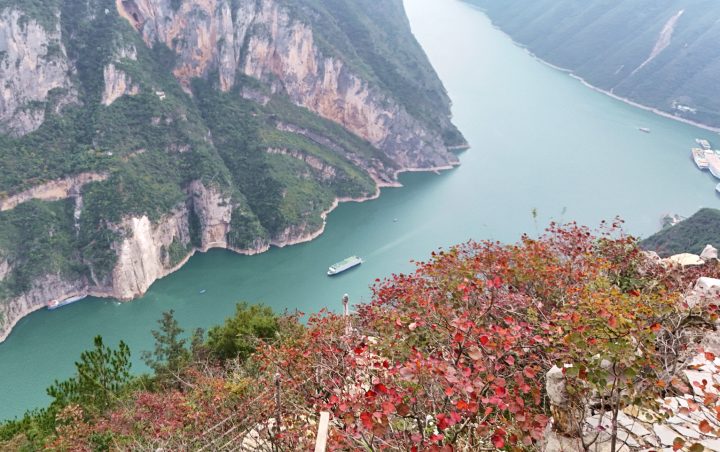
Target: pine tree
<point>170,353</point>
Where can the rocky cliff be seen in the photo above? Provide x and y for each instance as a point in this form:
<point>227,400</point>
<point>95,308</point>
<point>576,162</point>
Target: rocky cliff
<point>142,133</point>
<point>33,61</point>
<point>265,42</point>
<point>53,190</point>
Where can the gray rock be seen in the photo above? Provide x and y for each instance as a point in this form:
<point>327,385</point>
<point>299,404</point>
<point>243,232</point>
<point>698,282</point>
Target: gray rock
<point>665,434</point>
<point>709,254</point>
<point>556,387</point>
<point>711,444</point>
<point>711,342</point>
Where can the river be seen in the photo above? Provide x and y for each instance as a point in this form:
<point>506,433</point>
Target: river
<point>540,140</point>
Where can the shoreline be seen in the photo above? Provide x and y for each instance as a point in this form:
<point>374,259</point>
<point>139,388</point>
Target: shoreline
<point>98,292</point>
<point>608,93</point>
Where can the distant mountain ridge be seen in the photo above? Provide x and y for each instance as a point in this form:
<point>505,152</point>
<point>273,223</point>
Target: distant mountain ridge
<point>662,54</point>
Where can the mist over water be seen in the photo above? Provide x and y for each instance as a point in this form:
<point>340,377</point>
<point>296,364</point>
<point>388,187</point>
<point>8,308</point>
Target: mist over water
<point>540,139</point>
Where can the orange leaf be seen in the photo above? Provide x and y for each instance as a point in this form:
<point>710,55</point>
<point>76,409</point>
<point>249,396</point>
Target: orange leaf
<point>704,426</point>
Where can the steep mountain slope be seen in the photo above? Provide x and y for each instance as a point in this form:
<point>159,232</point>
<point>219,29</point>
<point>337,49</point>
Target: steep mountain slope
<point>661,54</point>
<point>139,131</point>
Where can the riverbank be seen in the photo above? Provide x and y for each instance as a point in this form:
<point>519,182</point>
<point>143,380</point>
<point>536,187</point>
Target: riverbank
<point>63,289</point>
<point>600,90</point>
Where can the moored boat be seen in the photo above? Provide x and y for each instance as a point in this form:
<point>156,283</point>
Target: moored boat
<point>644,129</point>
<point>698,156</point>
<point>704,143</point>
<point>59,303</point>
<point>713,163</point>
<point>344,265</point>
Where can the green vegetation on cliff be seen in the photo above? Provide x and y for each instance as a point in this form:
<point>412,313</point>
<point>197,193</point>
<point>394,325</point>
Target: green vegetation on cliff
<point>609,44</point>
<point>371,35</point>
<point>688,236</point>
<point>155,143</point>
<point>38,238</point>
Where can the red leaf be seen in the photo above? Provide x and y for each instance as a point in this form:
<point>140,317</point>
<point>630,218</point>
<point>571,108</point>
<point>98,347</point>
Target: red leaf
<point>366,419</point>
<point>461,405</point>
<point>655,326</point>
<point>529,372</point>
<point>498,441</point>
<point>612,322</point>
<point>398,322</point>
<point>449,392</point>
<point>388,407</point>
<point>497,282</point>
<point>458,338</point>
<point>484,340</point>
<point>510,360</point>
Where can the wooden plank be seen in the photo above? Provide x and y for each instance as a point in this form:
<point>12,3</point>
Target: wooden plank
<point>321,442</point>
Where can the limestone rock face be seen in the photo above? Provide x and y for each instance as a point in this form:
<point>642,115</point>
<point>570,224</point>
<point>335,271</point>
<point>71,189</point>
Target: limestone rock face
<point>46,289</point>
<point>117,82</point>
<point>53,190</point>
<point>33,61</point>
<point>214,211</point>
<point>265,42</point>
<point>141,256</point>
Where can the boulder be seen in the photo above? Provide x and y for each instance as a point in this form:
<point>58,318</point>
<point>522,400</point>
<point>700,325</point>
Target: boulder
<point>711,343</point>
<point>564,415</point>
<point>709,254</point>
<point>556,387</point>
<point>684,260</point>
<point>705,289</point>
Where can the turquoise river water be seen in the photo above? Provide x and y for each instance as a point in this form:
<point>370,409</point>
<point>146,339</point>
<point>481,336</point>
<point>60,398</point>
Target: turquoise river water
<point>540,139</point>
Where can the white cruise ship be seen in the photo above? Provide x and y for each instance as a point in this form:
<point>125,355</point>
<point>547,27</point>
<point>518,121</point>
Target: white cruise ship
<point>698,156</point>
<point>713,163</point>
<point>344,265</point>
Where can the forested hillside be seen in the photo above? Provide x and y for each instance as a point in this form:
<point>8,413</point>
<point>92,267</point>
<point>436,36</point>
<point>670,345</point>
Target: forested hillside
<point>662,54</point>
<point>688,236</point>
<point>134,133</point>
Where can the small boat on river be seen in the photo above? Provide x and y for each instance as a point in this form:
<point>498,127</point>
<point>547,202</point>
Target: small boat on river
<point>58,303</point>
<point>644,129</point>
